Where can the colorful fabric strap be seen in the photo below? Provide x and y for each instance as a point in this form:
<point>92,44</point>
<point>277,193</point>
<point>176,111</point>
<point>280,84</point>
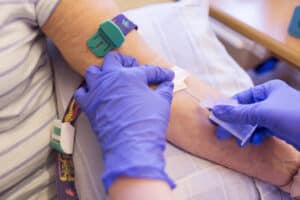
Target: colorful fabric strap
<point>65,173</point>
<point>124,24</point>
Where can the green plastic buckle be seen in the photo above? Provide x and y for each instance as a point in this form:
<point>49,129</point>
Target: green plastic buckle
<point>108,37</point>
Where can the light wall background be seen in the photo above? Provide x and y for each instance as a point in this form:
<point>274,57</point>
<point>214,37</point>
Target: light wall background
<point>127,4</point>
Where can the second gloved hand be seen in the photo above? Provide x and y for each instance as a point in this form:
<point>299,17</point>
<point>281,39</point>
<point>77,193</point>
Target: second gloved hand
<point>273,106</point>
<point>129,118</point>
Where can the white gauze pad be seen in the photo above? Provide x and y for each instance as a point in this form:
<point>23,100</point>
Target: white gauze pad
<point>180,76</point>
<point>241,131</point>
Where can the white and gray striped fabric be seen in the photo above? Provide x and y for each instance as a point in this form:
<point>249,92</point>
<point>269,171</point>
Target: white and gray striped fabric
<point>27,103</point>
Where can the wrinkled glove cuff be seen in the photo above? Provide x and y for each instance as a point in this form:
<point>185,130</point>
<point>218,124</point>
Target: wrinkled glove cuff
<point>144,172</point>
<point>142,159</point>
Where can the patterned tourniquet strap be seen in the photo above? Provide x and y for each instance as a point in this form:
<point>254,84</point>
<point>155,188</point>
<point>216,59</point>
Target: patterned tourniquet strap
<point>124,24</point>
<point>65,175</point>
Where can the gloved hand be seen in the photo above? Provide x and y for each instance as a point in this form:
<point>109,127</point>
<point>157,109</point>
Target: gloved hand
<point>257,137</point>
<point>129,118</point>
<point>273,106</point>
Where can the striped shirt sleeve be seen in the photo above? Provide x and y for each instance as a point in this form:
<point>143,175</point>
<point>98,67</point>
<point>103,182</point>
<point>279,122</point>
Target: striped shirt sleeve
<point>27,101</point>
<point>44,9</point>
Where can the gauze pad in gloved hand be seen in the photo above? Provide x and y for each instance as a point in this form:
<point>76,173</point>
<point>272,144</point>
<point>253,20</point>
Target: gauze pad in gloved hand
<point>241,131</point>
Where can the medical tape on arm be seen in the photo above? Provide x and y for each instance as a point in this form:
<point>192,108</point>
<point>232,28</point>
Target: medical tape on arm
<point>179,82</point>
<point>179,78</point>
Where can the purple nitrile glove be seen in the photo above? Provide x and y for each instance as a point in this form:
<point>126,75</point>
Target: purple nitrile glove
<point>257,137</point>
<point>129,118</point>
<point>273,106</point>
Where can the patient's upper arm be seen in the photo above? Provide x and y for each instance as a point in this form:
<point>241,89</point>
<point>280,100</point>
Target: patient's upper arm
<point>74,22</point>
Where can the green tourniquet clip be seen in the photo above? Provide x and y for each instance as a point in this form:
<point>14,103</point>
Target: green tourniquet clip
<point>108,37</point>
<point>55,144</point>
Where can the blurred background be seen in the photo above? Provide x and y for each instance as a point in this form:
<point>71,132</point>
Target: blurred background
<point>259,62</point>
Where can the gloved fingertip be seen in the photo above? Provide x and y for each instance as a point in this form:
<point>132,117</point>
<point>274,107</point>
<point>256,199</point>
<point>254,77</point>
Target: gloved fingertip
<point>91,74</point>
<point>94,69</point>
<point>115,55</point>
<point>157,75</point>
<point>259,136</point>
<point>222,134</point>
<point>257,139</point>
<point>221,110</point>
<point>124,60</point>
<point>165,89</point>
<point>80,93</point>
<point>112,61</point>
<point>129,61</point>
<point>170,74</point>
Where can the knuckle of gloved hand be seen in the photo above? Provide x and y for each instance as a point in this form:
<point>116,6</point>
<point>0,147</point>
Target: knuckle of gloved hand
<point>277,83</point>
<point>258,95</point>
<point>172,73</point>
<point>122,74</point>
<point>222,134</point>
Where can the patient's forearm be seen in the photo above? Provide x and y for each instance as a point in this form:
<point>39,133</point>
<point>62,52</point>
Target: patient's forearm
<point>274,161</point>
<point>74,22</point>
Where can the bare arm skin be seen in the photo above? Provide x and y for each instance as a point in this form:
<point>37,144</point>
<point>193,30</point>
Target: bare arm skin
<point>73,23</point>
